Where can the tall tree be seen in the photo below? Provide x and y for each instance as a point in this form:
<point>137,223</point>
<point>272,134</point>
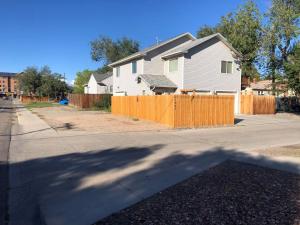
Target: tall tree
<point>105,50</point>
<point>206,31</point>
<point>279,34</point>
<point>81,79</point>
<point>52,85</point>
<point>41,82</point>
<point>292,69</point>
<point>243,30</point>
<point>29,81</point>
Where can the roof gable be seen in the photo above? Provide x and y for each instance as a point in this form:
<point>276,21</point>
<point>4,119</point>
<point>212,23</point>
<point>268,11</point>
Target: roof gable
<point>185,48</point>
<point>151,48</point>
<point>100,77</point>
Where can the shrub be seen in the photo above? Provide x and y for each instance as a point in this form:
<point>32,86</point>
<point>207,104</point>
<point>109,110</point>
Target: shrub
<point>104,104</point>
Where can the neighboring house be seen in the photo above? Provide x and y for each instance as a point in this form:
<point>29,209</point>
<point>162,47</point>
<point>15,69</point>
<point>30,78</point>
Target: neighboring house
<point>182,64</point>
<point>99,84</point>
<point>8,83</point>
<point>264,87</point>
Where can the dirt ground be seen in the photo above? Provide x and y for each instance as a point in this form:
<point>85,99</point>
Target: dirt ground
<point>289,151</point>
<point>64,118</point>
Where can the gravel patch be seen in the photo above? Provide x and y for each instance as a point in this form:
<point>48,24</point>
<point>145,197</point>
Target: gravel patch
<point>230,193</point>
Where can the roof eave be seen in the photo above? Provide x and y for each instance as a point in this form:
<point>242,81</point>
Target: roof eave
<point>126,60</point>
<point>142,54</point>
<point>168,56</point>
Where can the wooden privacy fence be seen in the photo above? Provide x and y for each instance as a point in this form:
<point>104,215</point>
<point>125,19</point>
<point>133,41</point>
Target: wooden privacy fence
<point>86,100</point>
<point>29,99</point>
<point>177,111</point>
<point>253,104</point>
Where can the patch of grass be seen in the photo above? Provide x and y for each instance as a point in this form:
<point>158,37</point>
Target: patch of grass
<point>33,105</point>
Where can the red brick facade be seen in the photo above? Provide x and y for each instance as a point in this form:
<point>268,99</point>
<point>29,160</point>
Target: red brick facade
<point>8,83</point>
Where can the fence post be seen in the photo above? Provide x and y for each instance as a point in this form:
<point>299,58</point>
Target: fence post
<point>192,109</point>
<point>174,111</point>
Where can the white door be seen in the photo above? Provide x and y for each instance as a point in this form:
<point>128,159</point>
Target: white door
<point>236,99</point>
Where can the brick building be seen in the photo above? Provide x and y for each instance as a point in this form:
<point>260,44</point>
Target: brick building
<point>8,83</point>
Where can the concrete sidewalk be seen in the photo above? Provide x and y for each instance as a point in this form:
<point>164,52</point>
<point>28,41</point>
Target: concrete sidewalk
<point>80,179</point>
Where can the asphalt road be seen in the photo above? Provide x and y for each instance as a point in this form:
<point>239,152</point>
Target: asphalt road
<point>6,113</point>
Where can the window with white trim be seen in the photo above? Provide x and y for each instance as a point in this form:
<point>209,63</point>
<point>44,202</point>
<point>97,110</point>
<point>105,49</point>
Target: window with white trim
<point>226,67</point>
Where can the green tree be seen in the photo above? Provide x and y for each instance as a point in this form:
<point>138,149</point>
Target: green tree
<point>81,79</point>
<point>292,69</point>
<point>29,81</point>
<point>205,31</point>
<point>103,69</point>
<point>53,86</point>
<point>42,82</point>
<point>281,30</point>
<point>105,50</point>
<point>243,30</point>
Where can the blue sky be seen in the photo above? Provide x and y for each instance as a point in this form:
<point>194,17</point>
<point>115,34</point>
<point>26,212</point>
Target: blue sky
<point>57,33</point>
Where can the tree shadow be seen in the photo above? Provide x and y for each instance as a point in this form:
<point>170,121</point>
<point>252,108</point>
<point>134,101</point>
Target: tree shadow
<point>82,188</point>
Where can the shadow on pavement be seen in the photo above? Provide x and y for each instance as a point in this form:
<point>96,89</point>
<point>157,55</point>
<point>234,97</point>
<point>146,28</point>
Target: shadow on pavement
<point>237,120</point>
<point>83,187</point>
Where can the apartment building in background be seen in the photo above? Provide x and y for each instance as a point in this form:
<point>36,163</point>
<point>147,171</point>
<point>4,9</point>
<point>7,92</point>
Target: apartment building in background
<point>8,83</point>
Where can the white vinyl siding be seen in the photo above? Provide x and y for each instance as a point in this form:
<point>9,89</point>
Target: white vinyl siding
<point>202,68</point>
<point>153,63</point>
<point>94,88</point>
<point>127,83</point>
<point>173,65</point>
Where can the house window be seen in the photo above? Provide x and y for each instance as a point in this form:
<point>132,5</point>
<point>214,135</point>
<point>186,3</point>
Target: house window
<point>173,65</point>
<point>226,67</point>
<point>111,88</point>
<point>260,92</point>
<point>118,71</point>
<point>134,67</point>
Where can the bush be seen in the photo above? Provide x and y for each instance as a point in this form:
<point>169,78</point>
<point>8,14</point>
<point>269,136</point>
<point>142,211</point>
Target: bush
<point>104,104</point>
<point>288,104</point>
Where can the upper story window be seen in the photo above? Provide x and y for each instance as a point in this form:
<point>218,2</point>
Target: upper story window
<point>118,71</point>
<point>173,65</point>
<point>226,67</point>
<point>134,67</point>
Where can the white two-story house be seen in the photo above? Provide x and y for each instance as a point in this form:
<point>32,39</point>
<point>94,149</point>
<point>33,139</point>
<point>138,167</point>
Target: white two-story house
<point>208,65</point>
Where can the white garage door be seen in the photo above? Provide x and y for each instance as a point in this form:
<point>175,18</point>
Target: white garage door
<point>236,99</point>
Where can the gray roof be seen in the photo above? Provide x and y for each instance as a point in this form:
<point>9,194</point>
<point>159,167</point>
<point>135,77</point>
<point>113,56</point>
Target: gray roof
<point>100,77</point>
<point>160,81</point>
<point>185,47</point>
<point>5,74</point>
<point>144,51</point>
